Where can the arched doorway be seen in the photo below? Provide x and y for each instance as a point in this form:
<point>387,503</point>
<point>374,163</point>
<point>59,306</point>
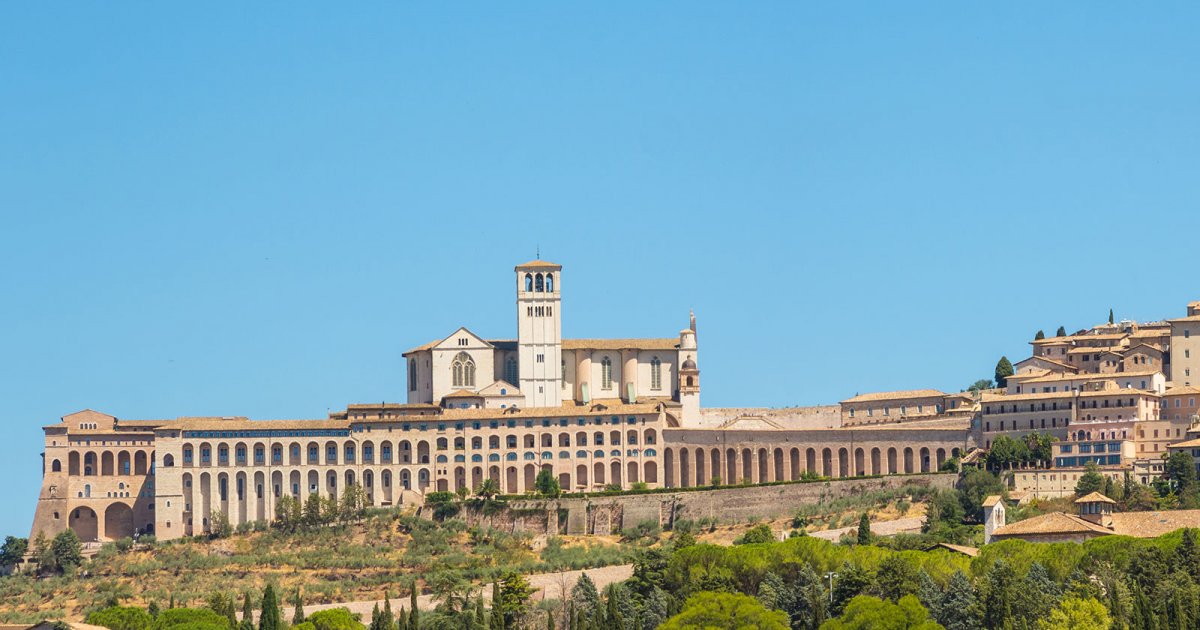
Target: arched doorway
<point>118,521</point>
<point>84,523</point>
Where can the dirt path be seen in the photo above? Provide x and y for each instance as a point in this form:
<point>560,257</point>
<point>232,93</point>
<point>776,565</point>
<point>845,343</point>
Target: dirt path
<point>880,528</point>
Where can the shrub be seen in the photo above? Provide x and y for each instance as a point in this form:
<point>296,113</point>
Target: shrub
<point>124,544</point>
<point>190,619</point>
<point>121,618</point>
<point>757,534</point>
<point>334,619</point>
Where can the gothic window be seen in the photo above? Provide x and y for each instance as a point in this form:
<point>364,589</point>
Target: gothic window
<point>549,283</point>
<point>655,373</point>
<point>463,370</point>
<point>538,284</point>
<point>606,373</point>
<point>510,371</point>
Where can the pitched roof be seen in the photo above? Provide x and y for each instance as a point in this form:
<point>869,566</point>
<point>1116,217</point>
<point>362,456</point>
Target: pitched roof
<point>1052,523</point>
<point>461,393</point>
<point>538,264</point>
<point>1094,497</point>
<point>991,500</point>
<point>963,549</point>
<point>665,343</point>
<point>900,395</point>
<point>1153,524</point>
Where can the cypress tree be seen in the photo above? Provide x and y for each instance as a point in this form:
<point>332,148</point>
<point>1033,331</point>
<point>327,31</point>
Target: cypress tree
<point>270,619</point>
<point>153,609</point>
<point>480,615</point>
<point>1110,316</point>
<point>171,604</point>
<point>402,619</point>
<point>1039,336</point>
<point>375,617</point>
<point>864,529</point>
<point>389,620</point>
<point>1004,369</point>
<point>549,620</point>
<point>247,613</point>
<point>1062,332</point>
<point>414,619</point>
<point>497,612</point>
<point>298,616</point>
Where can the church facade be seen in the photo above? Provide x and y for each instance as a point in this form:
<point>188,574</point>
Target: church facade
<point>597,413</point>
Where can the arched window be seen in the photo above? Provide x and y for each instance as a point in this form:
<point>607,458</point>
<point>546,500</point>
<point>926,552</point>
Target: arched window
<point>549,283</point>
<point>528,282</point>
<point>511,373</point>
<point>463,370</point>
<point>168,460</point>
<point>538,284</point>
<point>606,373</point>
<point>655,373</point>
<point>56,466</point>
<point>412,375</point>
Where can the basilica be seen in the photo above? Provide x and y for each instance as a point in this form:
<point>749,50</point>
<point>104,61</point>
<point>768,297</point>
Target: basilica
<point>597,413</point>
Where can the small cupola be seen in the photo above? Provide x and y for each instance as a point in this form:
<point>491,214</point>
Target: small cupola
<point>1097,508</point>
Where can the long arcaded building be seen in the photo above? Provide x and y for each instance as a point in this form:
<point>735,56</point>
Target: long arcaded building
<point>595,412</point>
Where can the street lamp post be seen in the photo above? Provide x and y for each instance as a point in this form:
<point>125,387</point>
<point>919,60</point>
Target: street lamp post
<point>829,576</point>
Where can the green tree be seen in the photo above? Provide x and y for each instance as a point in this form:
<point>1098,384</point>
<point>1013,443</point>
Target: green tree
<point>67,550</point>
<point>1061,332</point>
<point>973,487</point>
<point>1077,614</point>
<point>1000,595</point>
<point>584,595</point>
<point>958,606</point>
<point>1039,336</point>
<point>1004,369</point>
<point>152,609</point>
<point>287,513</point>
<point>980,385</point>
<point>852,580</point>
<point>1110,316</point>
<point>335,619</point>
<point>897,576</point>
<point>247,613</point>
<point>514,597</point>
<point>353,502</point>
<point>864,529</point>
<point>488,489</point>
<point>312,510</point>
<point>757,534</point>
<point>1090,481</point>
<point>871,613</point>
<point>190,619</point>
<point>13,550</point>
<point>270,618</point>
<point>546,484</point>
<point>298,601</point>
<point>121,618</point>
<point>1181,471</point>
<point>725,610</point>
<point>219,526</point>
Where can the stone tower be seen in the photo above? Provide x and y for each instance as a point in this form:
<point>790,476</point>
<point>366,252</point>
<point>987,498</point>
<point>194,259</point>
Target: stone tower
<point>689,373</point>
<point>539,333</point>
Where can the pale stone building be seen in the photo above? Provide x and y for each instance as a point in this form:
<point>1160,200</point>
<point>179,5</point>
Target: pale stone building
<point>596,413</point>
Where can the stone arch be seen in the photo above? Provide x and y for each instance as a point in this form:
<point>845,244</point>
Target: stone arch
<point>73,463</point>
<point>702,475</point>
<point>368,482</point>
<point>260,496</point>
<point>118,521</point>
<point>925,459</point>
<point>827,462</point>
<point>531,472</point>
<point>581,475</point>
<point>616,474</point>
<point>893,465</point>
<point>731,467</point>
<point>747,467</point>
<point>84,522</point>
<point>330,454</point>
<point>140,463</point>
<point>651,472</point>
<point>876,461</point>
<point>763,466</point>
<point>123,465</point>
<point>423,452</point>
<point>908,459</point>
<point>795,461</point>
<point>669,468</point>
<point>564,481</point>
<point>810,461</point>
<point>777,460</point>
<point>843,462</point>
<point>314,483</point>
<point>106,464</point>
<point>685,468</point>
<point>650,437</point>
<point>632,472</point>
<point>91,464</point>
<point>941,457</point>
<point>331,484</point>
<point>55,466</point>
<point>598,475</point>
<point>715,458</point>
<point>860,462</point>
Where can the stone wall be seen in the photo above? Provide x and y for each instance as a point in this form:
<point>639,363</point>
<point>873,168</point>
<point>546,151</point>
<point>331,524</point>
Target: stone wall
<point>606,515</point>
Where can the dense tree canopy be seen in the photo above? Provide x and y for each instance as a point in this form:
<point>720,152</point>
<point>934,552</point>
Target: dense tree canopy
<point>725,610</point>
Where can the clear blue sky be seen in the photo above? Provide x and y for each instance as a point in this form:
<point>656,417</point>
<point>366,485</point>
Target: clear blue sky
<point>222,210</point>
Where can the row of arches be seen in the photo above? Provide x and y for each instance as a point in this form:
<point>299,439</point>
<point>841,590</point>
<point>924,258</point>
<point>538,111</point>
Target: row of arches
<point>106,463</point>
<point>332,452</point>
<point>114,522</point>
<point>539,283</point>
<point>252,496</point>
<point>700,466</point>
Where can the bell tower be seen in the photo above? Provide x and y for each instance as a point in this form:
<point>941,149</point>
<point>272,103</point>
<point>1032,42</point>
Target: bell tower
<point>689,373</point>
<point>539,333</point>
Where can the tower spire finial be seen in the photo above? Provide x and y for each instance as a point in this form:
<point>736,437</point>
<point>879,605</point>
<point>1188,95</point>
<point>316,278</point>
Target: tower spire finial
<point>537,251</point>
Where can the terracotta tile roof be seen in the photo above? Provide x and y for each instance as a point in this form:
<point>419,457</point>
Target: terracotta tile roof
<point>1181,390</point>
<point>900,395</point>
<point>1192,443</point>
<point>1052,523</point>
<point>991,500</point>
<point>1051,341</point>
<point>1152,524</point>
<point>462,393</point>
<point>963,549</point>
<point>244,424</point>
<point>1189,318</point>
<point>1094,497</point>
<point>539,264</point>
<point>666,343</point>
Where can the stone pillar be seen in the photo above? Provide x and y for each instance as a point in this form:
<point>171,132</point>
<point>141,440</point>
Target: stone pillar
<point>629,369</point>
